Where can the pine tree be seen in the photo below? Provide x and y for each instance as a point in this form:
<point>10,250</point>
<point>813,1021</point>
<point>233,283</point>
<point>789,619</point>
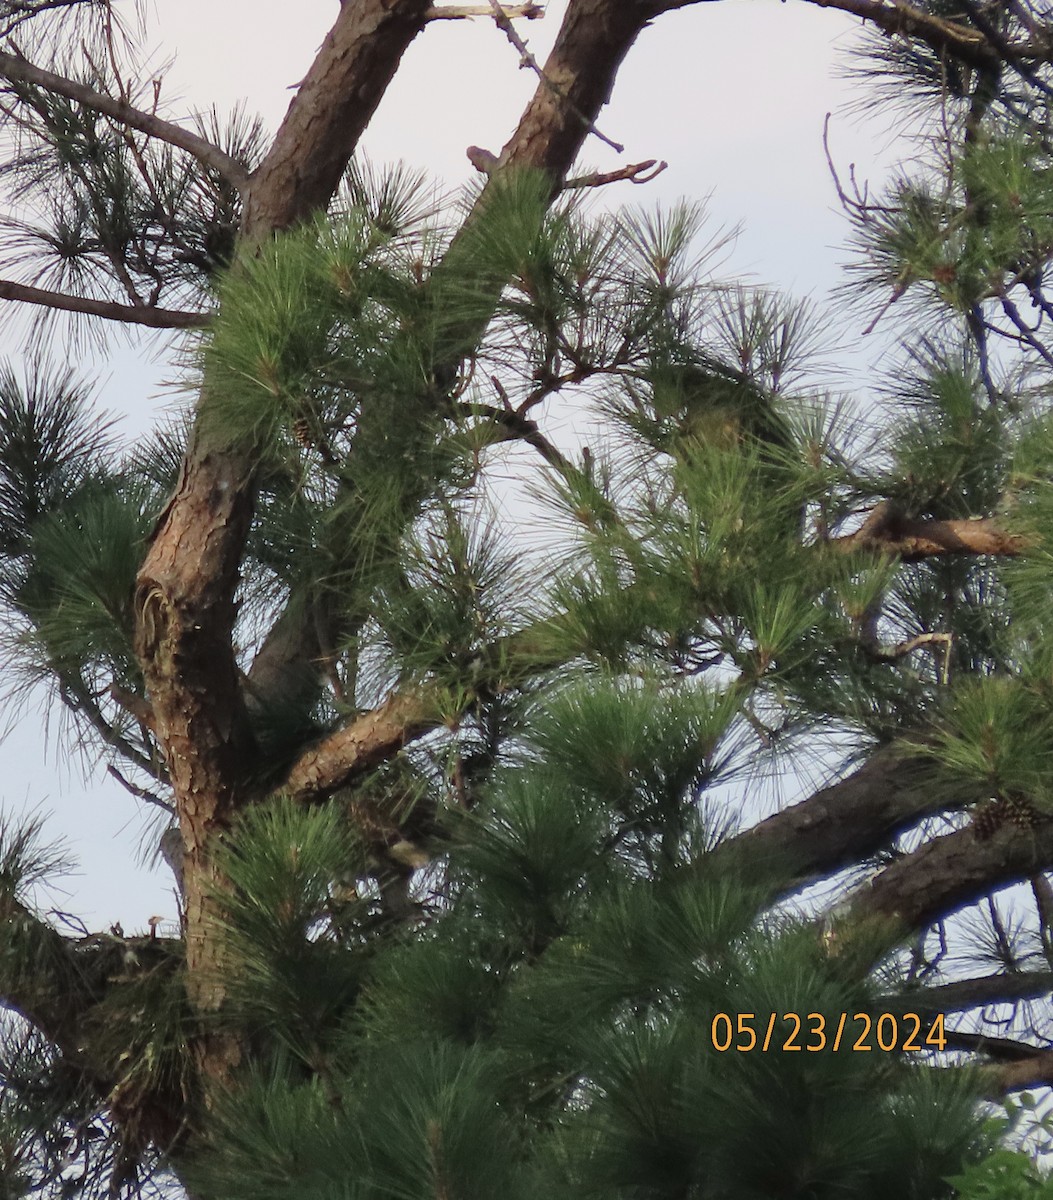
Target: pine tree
<point>479,897</point>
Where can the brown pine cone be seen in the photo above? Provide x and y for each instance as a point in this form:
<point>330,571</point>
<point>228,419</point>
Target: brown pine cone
<point>988,819</point>
<point>1021,812</point>
<point>301,429</point>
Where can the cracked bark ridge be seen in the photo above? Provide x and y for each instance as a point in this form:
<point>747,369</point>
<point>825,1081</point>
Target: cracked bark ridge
<point>185,589</point>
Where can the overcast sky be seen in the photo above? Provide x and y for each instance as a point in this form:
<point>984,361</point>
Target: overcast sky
<point>732,94</point>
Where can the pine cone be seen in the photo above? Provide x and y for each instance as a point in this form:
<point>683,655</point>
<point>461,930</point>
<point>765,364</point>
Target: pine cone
<point>301,429</point>
<point>1021,812</point>
<point>1014,809</point>
<point>988,819</point>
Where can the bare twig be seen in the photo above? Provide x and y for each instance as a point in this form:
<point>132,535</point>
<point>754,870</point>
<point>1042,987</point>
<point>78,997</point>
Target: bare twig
<point>17,70</point>
<point>140,793</point>
<point>1027,334</point>
<point>110,310</point>
<point>517,428</point>
<point>642,172</point>
<point>526,59</point>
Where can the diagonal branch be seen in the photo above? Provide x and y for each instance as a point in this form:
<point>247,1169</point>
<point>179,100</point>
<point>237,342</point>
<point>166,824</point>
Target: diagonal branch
<point>949,872</point>
<point>367,741</point>
<point>888,530</point>
<point>899,19</point>
<point>843,822</point>
<point>17,70</point>
<point>332,107</point>
<point>593,40</point>
<point>110,310</point>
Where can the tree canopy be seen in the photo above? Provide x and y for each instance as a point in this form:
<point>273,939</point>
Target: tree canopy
<point>478,890</point>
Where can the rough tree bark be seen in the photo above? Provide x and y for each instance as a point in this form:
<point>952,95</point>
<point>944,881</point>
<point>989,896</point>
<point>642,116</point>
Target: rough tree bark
<point>185,595</point>
<point>185,592</point>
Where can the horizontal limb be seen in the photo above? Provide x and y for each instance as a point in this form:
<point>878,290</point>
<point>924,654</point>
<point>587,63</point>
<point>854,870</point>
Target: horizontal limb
<point>110,310</point>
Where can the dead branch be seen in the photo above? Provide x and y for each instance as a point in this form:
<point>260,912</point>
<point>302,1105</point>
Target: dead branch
<point>140,793</point>
<point>888,530</point>
<point>527,59</point>
<point>444,12</point>
<point>642,172</point>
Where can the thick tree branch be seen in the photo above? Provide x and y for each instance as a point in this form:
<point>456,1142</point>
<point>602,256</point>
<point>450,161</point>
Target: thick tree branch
<point>963,994</point>
<point>1036,1071</point>
<point>900,19</point>
<point>844,822</point>
<point>365,742</point>
<point>1000,1049</point>
<point>16,69</point>
<point>110,310</point>
<point>184,603</point>
<point>949,872</point>
<point>334,104</point>
<point>888,530</point>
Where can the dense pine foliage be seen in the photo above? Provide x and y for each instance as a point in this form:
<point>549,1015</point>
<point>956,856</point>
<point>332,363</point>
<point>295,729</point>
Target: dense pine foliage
<point>557,775</point>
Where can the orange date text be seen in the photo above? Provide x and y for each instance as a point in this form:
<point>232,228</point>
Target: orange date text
<point>813,1032</point>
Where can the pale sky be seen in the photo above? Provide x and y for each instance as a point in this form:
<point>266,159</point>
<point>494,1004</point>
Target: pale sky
<point>732,94</point>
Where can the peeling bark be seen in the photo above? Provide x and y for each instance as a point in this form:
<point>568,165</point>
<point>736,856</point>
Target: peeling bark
<point>185,590</point>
